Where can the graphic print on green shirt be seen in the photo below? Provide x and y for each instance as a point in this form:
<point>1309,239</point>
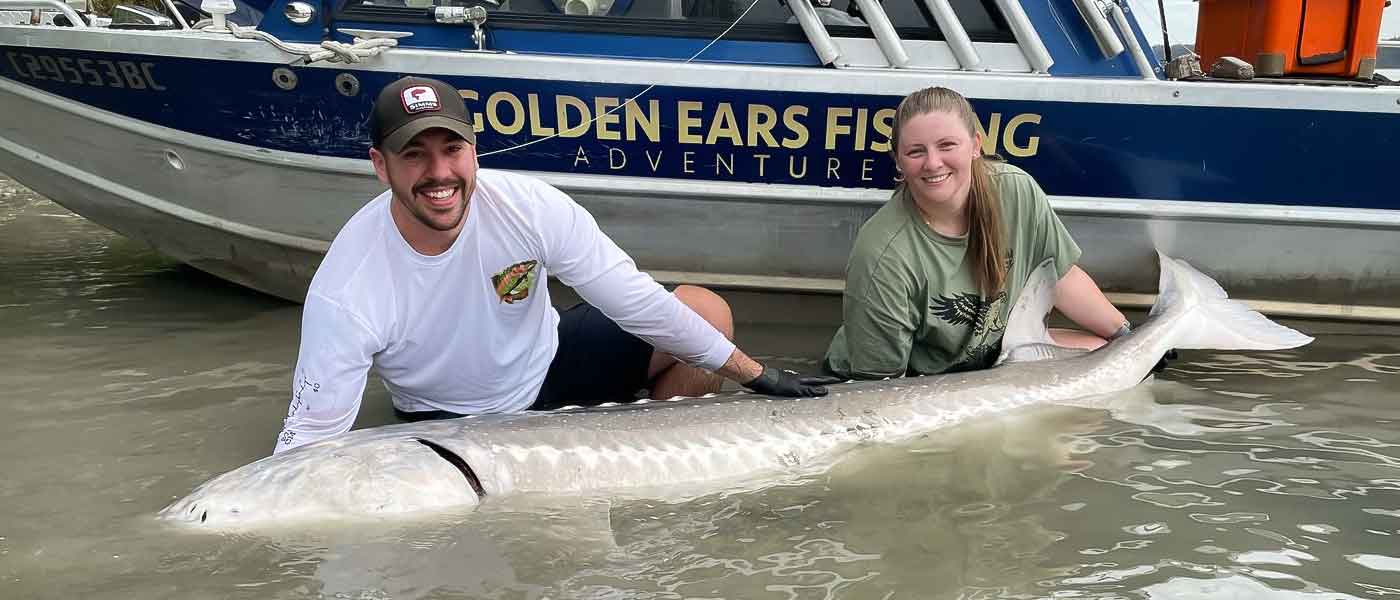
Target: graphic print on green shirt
<point>911,305</point>
<point>984,318</point>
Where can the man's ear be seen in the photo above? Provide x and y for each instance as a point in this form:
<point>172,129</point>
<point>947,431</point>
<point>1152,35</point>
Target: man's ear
<point>381,169</point>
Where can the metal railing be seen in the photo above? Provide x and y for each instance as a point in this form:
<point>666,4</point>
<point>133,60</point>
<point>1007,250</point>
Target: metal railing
<point>816,32</point>
<point>885,35</point>
<point>1026,37</point>
<point>954,34</point>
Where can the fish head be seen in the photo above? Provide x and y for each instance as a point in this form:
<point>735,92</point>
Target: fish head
<point>349,477</point>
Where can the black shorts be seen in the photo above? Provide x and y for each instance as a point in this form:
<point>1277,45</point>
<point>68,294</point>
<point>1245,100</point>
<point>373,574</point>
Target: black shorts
<point>596,362</point>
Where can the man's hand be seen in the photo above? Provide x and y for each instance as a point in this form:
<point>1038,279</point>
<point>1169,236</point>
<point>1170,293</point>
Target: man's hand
<point>777,382</point>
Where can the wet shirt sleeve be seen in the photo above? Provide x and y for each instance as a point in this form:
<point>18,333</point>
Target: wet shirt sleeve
<point>337,350</point>
<point>584,258</point>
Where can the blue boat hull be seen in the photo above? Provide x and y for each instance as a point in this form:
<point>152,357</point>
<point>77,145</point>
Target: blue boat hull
<point>711,175</point>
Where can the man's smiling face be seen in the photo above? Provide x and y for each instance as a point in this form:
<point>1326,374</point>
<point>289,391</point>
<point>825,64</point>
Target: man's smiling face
<point>431,179</point>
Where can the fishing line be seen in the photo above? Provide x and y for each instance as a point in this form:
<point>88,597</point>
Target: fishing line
<point>633,99</point>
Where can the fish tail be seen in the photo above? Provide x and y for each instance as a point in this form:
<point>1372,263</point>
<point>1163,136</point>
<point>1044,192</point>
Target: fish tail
<point>1211,320</point>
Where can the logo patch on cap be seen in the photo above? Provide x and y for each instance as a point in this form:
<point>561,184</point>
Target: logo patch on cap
<point>420,98</point>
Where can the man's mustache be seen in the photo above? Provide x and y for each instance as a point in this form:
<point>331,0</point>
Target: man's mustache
<point>437,183</point>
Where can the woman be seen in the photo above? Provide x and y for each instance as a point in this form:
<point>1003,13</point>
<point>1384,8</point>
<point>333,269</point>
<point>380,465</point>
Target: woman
<point>933,273</point>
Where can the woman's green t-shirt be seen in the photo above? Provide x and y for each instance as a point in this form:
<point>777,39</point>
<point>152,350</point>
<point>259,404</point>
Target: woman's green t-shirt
<point>911,305</point>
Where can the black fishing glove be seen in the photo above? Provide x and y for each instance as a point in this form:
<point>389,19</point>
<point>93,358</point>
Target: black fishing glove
<point>777,382</point>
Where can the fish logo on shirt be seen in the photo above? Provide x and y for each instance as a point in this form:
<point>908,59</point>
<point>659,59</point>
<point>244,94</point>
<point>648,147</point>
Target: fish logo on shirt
<point>513,283</point>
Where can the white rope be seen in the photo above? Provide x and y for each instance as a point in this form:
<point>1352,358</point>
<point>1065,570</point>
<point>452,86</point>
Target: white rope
<point>329,50</point>
<point>352,53</point>
<point>633,99</point>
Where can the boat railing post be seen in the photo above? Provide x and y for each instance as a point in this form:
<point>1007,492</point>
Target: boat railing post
<point>817,36</point>
<point>885,35</point>
<point>1026,37</point>
<point>175,14</point>
<point>1120,21</point>
<point>1109,44</point>
<point>955,34</point>
<point>41,5</point>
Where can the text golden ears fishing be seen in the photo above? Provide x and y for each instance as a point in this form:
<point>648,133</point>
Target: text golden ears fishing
<point>727,136</point>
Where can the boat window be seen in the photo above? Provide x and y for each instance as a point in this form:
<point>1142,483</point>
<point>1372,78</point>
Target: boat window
<point>912,15</point>
<point>767,11</point>
<point>769,19</point>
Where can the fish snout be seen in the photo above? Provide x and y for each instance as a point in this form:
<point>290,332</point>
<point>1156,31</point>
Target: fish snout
<point>334,480</point>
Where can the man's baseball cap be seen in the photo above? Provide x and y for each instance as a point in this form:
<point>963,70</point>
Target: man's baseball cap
<point>412,105</point>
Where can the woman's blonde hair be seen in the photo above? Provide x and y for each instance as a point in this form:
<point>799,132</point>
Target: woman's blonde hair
<point>986,235</point>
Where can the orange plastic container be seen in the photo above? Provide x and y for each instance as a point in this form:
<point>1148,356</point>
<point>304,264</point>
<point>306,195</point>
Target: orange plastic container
<point>1332,38</point>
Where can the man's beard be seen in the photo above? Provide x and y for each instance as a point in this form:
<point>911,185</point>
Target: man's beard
<point>424,215</point>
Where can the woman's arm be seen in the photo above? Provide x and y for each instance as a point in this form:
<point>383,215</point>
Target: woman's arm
<point>1079,298</point>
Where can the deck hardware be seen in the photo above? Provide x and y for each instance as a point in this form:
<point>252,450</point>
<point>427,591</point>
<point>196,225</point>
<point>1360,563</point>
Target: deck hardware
<point>885,35</point>
<point>299,13</point>
<point>374,34</point>
<point>284,78</point>
<point>826,49</point>
<point>219,9</point>
<point>347,84</point>
<point>173,159</point>
<point>955,34</point>
<point>1109,44</point>
<point>476,15</point>
<point>1026,37</point>
<point>585,7</point>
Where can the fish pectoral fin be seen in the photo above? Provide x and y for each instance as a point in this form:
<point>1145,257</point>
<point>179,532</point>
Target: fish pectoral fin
<point>1025,328</point>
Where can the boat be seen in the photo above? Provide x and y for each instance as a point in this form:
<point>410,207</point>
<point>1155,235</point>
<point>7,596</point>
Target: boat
<point>731,143</point>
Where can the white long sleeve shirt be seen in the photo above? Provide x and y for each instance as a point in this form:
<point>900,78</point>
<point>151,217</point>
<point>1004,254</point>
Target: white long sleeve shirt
<point>470,330</point>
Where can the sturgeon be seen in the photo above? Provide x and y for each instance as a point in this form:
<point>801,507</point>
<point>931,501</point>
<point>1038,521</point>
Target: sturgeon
<point>665,449</point>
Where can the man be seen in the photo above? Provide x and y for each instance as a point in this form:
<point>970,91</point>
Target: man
<point>439,285</point>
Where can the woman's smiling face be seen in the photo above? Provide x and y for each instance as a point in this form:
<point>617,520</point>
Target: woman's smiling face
<point>935,156</point>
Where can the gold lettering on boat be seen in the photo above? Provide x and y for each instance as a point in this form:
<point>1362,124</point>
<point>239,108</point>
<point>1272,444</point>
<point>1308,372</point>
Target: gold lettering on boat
<point>686,121</point>
<point>601,106</point>
<point>848,134</point>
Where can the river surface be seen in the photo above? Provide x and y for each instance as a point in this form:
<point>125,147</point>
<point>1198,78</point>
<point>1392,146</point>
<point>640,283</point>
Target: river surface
<point>127,379</point>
